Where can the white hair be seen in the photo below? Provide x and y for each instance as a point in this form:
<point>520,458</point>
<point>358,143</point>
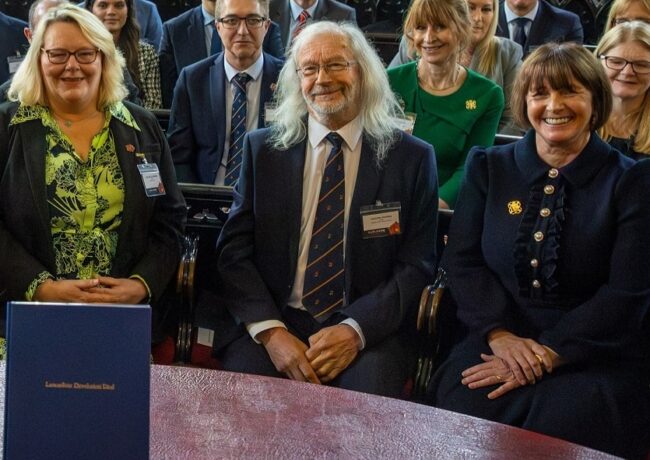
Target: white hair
<point>378,106</point>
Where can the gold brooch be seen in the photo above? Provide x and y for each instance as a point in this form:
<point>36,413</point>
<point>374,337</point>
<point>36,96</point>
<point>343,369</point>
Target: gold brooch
<point>515,207</point>
<point>470,104</point>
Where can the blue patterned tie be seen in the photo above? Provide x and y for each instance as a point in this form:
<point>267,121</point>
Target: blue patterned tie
<point>324,275</point>
<point>520,31</point>
<point>237,128</point>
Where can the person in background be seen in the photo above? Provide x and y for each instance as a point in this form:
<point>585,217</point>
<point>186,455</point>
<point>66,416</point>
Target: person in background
<point>628,10</point>
<point>297,306</point>
<point>149,21</point>
<point>12,45</point>
<point>294,15</point>
<point>219,99</point>
<point>192,36</point>
<point>531,23</point>
<point>36,12</point>
<point>496,58</point>
<point>548,263</point>
<point>456,107</point>
<point>141,58</point>
<point>624,52</point>
<point>89,207</point>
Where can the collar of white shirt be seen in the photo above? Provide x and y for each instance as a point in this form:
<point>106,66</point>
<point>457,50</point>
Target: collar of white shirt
<point>254,70</point>
<point>351,133</point>
<point>297,9</point>
<point>510,16</point>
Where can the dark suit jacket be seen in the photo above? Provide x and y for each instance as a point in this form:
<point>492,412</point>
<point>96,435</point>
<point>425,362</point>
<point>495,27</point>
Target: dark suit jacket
<point>384,277</point>
<point>280,12</point>
<point>13,42</point>
<point>183,44</point>
<point>197,125</point>
<point>149,234</point>
<point>550,25</point>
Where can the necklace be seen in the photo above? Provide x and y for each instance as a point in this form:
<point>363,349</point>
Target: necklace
<point>454,80</point>
<point>68,123</point>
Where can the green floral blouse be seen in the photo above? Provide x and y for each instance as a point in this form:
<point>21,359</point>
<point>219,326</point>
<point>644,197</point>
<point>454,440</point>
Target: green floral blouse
<point>85,198</point>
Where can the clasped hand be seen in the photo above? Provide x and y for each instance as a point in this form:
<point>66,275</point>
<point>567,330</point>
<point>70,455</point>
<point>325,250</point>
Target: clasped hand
<point>103,289</point>
<point>330,351</point>
<point>515,362</point>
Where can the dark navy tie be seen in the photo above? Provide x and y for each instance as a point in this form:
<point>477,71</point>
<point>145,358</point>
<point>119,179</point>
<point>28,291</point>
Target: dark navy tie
<point>237,128</point>
<point>324,275</point>
<point>519,31</point>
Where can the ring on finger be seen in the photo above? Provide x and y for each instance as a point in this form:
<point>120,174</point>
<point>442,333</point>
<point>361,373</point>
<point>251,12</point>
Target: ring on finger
<point>498,377</point>
<point>539,358</point>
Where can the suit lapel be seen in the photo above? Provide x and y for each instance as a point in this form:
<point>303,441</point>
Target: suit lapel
<point>196,37</point>
<point>217,96</point>
<point>536,33</point>
<point>266,94</point>
<point>133,189</point>
<point>292,173</point>
<point>35,166</point>
<point>365,193</point>
<point>320,13</point>
<point>282,16</point>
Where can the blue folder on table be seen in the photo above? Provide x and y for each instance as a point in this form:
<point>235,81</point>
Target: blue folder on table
<point>77,384</point>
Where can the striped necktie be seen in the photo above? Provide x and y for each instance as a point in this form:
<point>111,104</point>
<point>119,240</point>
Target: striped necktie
<point>324,275</point>
<point>237,128</point>
<point>300,24</point>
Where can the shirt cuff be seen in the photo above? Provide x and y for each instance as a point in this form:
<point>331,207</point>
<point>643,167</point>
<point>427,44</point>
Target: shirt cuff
<point>352,323</point>
<point>139,278</point>
<point>40,279</point>
<point>261,326</point>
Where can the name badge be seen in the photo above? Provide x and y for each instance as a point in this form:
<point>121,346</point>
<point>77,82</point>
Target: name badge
<point>14,63</point>
<point>381,220</point>
<point>270,113</point>
<point>151,180</point>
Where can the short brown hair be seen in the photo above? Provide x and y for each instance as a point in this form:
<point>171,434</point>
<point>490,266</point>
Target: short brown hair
<point>451,13</point>
<point>558,64</point>
<point>218,7</point>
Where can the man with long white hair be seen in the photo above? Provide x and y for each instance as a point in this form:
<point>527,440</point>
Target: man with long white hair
<point>331,236</point>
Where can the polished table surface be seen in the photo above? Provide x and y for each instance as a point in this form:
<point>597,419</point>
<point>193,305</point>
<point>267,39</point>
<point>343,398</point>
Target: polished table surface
<point>197,413</point>
<point>207,414</point>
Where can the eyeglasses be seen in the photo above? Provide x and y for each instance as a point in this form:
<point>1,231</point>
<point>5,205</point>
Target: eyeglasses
<point>252,21</point>
<point>617,63</point>
<point>61,56</point>
<point>312,70</point>
<point>618,21</point>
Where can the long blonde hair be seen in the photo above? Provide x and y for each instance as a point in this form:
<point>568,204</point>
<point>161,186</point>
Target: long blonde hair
<point>617,8</point>
<point>486,49</point>
<point>635,31</point>
<point>27,83</point>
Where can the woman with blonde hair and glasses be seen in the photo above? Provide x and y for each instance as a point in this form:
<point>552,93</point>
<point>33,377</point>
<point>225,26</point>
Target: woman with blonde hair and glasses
<point>456,107</point>
<point>89,207</point>
<point>627,10</point>
<point>624,52</point>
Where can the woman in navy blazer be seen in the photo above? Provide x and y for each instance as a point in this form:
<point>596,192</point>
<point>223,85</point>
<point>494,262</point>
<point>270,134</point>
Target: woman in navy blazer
<point>549,262</point>
<point>89,207</point>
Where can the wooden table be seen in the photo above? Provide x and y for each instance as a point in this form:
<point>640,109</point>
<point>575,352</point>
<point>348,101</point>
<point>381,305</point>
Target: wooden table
<point>206,414</point>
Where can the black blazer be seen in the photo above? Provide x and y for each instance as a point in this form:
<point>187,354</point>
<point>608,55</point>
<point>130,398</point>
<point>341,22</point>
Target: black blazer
<point>384,277</point>
<point>551,24</point>
<point>149,234</point>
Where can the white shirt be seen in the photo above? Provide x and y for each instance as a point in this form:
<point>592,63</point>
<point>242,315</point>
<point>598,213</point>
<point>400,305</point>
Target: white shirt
<point>253,91</point>
<point>511,16</point>
<point>208,26</point>
<point>317,151</point>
